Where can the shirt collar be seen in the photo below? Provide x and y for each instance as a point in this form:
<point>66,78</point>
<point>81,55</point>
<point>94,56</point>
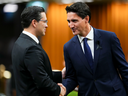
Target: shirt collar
<point>90,35</point>
<point>32,36</point>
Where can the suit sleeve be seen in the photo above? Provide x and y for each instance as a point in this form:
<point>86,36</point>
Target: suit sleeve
<point>57,76</point>
<point>34,62</point>
<point>119,60</point>
<point>70,82</point>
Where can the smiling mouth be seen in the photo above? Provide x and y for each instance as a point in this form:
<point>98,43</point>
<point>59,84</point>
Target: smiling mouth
<point>73,30</point>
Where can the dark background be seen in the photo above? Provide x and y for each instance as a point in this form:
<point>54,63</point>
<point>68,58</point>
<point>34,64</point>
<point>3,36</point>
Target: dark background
<point>10,29</point>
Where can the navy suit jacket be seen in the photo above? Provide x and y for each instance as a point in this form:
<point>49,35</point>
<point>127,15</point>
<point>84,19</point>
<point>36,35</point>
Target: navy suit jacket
<point>32,69</point>
<point>109,65</point>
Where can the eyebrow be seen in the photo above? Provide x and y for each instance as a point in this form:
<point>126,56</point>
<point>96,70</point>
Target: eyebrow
<point>72,20</point>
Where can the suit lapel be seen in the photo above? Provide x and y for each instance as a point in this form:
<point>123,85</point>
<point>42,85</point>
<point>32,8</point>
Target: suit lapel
<point>80,53</point>
<point>97,47</point>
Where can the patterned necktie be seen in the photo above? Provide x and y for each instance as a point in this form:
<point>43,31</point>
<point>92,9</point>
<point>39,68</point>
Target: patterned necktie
<point>88,53</point>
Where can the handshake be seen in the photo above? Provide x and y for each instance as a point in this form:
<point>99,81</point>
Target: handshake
<point>63,89</point>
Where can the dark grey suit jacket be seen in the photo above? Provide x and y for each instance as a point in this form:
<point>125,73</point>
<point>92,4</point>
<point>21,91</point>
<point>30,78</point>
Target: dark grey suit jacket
<point>32,69</point>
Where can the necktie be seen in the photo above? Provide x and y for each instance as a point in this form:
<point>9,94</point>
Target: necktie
<point>88,53</point>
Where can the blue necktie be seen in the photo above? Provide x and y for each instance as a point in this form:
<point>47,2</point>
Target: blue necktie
<point>88,53</point>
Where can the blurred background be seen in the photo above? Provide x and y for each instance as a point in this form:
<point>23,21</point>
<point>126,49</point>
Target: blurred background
<point>110,15</point>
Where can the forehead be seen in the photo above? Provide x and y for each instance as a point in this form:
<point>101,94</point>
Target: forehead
<point>72,15</point>
<point>43,15</point>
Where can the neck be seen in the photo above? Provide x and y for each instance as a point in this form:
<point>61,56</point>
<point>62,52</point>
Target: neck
<point>30,31</point>
<point>87,30</point>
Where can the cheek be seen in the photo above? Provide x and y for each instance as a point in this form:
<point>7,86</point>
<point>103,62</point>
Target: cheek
<point>78,26</point>
<point>81,25</point>
<point>44,25</point>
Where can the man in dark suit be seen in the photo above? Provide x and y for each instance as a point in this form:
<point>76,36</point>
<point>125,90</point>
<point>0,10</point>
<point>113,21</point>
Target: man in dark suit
<point>32,69</point>
<point>96,73</point>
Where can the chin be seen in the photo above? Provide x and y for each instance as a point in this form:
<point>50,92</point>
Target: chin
<point>75,33</point>
<point>43,35</point>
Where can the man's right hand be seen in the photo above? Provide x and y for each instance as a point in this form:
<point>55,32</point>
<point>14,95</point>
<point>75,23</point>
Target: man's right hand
<point>63,89</point>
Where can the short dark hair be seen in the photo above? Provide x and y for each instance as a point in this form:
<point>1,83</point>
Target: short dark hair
<point>30,13</point>
<point>80,8</point>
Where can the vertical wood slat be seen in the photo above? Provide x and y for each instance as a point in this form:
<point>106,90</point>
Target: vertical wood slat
<point>57,34</point>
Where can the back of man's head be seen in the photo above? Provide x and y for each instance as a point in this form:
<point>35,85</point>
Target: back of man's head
<point>30,13</point>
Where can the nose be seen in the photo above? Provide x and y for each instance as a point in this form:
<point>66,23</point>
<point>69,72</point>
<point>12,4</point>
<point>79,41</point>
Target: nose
<point>71,25</point>
<point>46,25</point>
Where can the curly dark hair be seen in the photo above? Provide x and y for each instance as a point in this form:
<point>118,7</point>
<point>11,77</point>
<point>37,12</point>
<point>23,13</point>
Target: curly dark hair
<point>30,13</point>
<point>80,8</point>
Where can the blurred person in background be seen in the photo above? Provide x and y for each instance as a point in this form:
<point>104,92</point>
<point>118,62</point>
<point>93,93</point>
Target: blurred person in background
<point>94,58</point>
<point>32,70</point>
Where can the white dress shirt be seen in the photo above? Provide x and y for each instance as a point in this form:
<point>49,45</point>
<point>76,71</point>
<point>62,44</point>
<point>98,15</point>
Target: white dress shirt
<point>32,36</point>
<point>90,41</point>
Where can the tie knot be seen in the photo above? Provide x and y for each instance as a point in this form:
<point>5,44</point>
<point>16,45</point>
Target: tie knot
<point>85,39</point>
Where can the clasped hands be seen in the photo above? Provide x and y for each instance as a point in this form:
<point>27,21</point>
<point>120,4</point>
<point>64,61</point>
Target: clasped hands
<point>63,89</point>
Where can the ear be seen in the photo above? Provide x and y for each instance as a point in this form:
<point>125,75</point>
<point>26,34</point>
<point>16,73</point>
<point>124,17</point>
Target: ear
<point>86,19</point>
<point>34,23</point>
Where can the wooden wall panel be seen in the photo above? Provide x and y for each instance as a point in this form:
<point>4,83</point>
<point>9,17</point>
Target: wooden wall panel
<point>57,34</point>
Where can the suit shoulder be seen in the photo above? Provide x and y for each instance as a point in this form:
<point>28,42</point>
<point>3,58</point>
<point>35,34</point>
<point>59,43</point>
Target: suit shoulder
<point>25,41</point>
<point>23,44</point>
<point>104,31</point>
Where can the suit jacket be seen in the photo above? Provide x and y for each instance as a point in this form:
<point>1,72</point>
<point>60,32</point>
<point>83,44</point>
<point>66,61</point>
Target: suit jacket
<point>109,62</point>
<point>32,69</point>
